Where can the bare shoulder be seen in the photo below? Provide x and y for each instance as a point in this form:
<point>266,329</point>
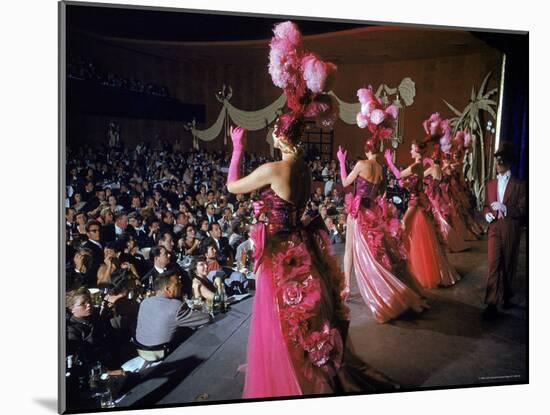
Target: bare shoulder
<point>269,168</point>
<point>361,165</point>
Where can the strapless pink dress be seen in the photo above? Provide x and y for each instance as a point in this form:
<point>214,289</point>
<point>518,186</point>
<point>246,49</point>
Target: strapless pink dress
<point>440,207</point>
<point>368,240</point>
<point>427,261</point>
<point>298,336</point>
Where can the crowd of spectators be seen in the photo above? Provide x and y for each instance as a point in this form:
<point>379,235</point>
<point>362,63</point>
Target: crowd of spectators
<point>146,220</point>
<point>157,222</point>
<point>84,69</point>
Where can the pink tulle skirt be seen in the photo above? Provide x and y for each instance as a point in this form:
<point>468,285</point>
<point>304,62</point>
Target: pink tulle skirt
<point>385,295</point>
<point>298,341</point>
<point>427,261</point>
<point>269,371</point>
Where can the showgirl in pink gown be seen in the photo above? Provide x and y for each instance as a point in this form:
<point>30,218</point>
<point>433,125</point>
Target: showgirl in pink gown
<point>427,261</point>
<point>462,210</point>
<point>368,245</point>
<point>298,343</point>
<point>440,206</point>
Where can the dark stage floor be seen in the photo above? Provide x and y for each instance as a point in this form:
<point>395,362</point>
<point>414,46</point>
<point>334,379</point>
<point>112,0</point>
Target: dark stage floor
<point>448,345</point>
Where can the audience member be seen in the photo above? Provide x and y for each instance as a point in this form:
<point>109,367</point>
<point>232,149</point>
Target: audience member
<point>161,316</point>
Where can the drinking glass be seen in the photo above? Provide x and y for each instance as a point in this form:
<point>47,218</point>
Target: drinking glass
<point>106,399</point>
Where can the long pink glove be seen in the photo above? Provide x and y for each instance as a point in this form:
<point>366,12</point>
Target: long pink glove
<point>238,137</point>
<point>341,155</point>
<point>388,156</point>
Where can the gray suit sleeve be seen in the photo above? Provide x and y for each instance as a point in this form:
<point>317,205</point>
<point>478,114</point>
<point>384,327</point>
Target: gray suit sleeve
<point>185,317</point>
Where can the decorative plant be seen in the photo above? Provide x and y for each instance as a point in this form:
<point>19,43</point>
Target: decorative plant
<point>470,120</point>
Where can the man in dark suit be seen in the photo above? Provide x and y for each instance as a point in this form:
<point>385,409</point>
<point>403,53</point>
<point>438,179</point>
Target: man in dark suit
<point>93,228</point>
<point>160,258</point>
<point>166,221</point>
<point>136,222</point>
<point>113,231</point>
<point>163,262</point>
<point>124,198</point>
<point>505,206</point>
<point>225,252</point>
<point>211,214</point>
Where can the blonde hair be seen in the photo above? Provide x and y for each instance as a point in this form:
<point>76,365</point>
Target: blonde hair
<point>72,296</point>
<point>105,211</point>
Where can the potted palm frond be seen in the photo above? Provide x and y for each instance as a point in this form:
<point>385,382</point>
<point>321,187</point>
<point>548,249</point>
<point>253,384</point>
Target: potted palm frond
<point>470,120</point>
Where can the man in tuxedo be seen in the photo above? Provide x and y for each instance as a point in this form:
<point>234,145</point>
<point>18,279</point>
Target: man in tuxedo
<point>153,234</point>
<point>163,262</point>
<point>505,206</point>
<point>113,231</point>
<point>136,222</point>
<point>211,213</point>
<point>167,221</point>
<point>225,252</point>
<point>160,258</point>
<point>93,228</point>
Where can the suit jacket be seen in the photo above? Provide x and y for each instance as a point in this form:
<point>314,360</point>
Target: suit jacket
<point>108,233</point>
<point>212,219</point>
<point>173,267</point>
<point>97,260</point>
<point>159,318</point>
<point>514,198</point>
<point>141,237</point>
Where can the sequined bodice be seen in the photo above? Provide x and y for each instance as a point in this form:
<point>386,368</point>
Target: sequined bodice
<point>412,184</point>
<point>366,190</point>
<point>282,216</point>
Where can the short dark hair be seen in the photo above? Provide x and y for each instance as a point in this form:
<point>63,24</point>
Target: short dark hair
<point>114,245</point>
<point>90,223</point>
<point>155,252</point>
<point>209,243</point>
<point>135,215</point>
<point>163,281</point>
<point>163,235</point>
<point>193,267</point>
<point>152,219</point>
<point>211,225</point>
<point>165,213</point>
<point>120,214</point>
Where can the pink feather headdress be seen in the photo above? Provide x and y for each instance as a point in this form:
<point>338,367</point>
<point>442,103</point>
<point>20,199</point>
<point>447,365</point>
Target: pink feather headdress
<point>304,77</point>
<point>378,118</point>
<point>437,128</point>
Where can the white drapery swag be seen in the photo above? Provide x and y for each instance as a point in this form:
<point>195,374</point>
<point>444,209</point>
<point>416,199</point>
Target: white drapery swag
<point>259,119</point>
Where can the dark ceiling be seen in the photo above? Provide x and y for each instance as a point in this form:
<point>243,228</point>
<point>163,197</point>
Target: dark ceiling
<point>189,35</point>
<point>184,26</point>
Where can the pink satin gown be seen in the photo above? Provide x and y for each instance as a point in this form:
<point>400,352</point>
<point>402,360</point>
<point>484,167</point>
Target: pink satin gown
<point>367,242</point>
<point>427,261</point>
<point>298,336</point>
<point>462,209</point>
<point>440,209</point>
